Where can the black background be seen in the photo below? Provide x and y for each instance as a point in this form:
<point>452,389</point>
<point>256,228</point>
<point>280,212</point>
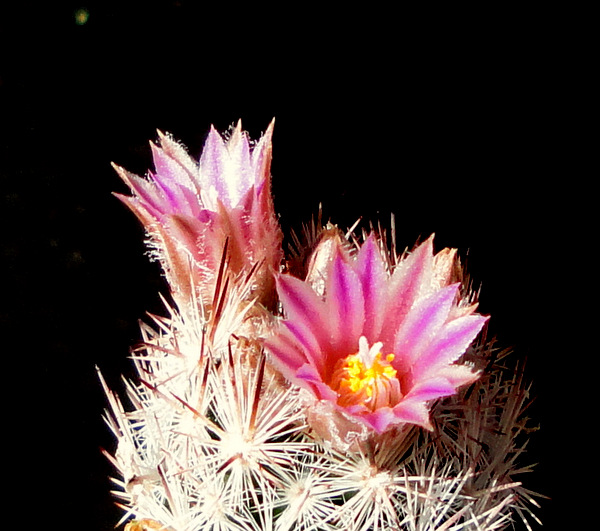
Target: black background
<point>454,123</point>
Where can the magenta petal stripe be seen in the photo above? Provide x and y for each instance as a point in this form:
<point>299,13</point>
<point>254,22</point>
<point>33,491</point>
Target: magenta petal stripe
<point>451,343</point>
<point>345,302</point>
<point>404,287</point>
<point>371,272</point>
<point>301,303</point>
<point>307,341</point>
<point>423,323</point>
<point>435,387</point>
<point>286,356</point>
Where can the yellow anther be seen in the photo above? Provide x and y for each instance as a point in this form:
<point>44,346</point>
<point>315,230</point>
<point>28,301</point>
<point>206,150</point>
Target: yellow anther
<point>366,378</point>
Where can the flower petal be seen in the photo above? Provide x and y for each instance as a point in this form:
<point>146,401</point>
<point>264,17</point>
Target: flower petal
<point>180,199</point>
<point>345,304</point>
<point>413,412</point>
<point>286,354</point>
<point>303,305</point>
<point>380,419</point>
<point>213,166</point>
<point>148,195</point>
<point>169,171</point>
<point>422,324</point>
<point>458,375</point>
<point>430,389</point>
<point>308,376</point>
<point>307,341</point>
<point>261,158</point>
<point>451,343</point>
<point>405,286</point>
<point>371,271</point>
<point>240,172</point>
<point>178,153</point>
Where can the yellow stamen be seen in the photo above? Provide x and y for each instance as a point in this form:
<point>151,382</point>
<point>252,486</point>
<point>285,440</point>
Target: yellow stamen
<point>366,378</point>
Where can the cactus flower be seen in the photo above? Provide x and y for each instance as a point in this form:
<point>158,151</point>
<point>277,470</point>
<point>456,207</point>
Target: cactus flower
<point>194,210</point>
<point>378,346</point>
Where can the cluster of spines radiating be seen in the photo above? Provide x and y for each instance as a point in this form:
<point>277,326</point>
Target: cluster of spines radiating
<point>216,440</point>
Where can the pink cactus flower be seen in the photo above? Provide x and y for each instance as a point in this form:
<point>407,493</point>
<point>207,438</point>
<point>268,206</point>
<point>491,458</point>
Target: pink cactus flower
<point>379,346</point>
<point>192,209</point>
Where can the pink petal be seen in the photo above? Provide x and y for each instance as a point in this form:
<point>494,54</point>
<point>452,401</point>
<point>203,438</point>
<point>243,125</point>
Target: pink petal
<point>307,341</point>
<point>370,269</point>
<point>153,199</point>
<point>285,354</point>
<point>180,200</point>
<point>303,305</point>
<point>213,165</point>
<point>422,324</point>
<point>430,389</point>
<point>405,286</point>
<point>380,419</point>
<point>261,158</point>
<point>310,378</point>
<point>458,375</point>
<point>413,412</point>
<point>180,155</point>
<point>238,174</point>
<point>170,172</point>
<point>345,304</point>
<point>238,150</point>
<point>451,342</point>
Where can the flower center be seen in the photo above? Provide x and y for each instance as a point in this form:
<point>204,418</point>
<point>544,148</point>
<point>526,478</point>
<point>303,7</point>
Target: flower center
<point>366,378</point>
